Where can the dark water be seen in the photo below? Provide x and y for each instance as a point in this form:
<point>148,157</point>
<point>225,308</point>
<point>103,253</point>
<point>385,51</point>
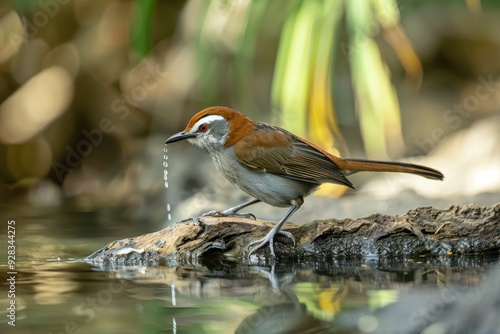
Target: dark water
<point>54,293</point>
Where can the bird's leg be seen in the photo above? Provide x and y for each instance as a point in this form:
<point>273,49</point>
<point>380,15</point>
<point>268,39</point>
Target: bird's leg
<point>233,211</point>
<point>269,238</point>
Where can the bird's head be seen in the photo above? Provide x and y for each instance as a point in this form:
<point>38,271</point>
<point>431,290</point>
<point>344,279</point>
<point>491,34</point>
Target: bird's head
<point>214,129</point>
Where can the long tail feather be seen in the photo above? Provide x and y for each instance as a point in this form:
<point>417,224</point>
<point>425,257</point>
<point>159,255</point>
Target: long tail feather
<point>361,165</point>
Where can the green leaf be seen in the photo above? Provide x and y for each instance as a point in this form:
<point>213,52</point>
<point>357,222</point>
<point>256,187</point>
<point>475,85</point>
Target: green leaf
<point>142,23</point>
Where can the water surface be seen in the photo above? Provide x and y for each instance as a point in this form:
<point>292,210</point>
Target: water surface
<point>56,293</point>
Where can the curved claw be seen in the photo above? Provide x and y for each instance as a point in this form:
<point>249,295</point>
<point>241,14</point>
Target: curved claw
<point>288,235</point>
<point>211,213</point>
<point>269,238</point>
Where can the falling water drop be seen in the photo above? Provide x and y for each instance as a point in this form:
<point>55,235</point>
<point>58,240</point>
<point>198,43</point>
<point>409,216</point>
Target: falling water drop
<point>165,178</point>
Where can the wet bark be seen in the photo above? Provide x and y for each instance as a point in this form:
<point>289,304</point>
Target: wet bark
<point>469,229</point>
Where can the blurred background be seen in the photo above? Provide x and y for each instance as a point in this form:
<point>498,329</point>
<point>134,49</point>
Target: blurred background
<point>90,90</point>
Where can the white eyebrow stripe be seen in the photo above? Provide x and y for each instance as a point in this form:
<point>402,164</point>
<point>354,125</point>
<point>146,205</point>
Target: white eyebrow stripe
<point>206,120</point>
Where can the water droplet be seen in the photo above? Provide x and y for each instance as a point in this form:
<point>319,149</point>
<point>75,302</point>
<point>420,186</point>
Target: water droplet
<point>165,177</point>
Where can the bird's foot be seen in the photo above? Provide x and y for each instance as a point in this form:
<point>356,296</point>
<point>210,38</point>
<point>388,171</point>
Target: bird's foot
<point>269,239</point>
<point>229,213</point>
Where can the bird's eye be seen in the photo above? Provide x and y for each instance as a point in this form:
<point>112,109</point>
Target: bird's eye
<point>203,128</point>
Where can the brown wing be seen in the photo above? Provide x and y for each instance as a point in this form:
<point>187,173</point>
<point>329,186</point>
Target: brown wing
<point>288,156</point>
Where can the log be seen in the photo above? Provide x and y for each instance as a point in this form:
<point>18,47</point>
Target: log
<point>469,229</point>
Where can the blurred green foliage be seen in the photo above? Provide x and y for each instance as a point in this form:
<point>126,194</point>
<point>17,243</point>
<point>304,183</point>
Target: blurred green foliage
<point>141,35</point>
<point>148,65</point>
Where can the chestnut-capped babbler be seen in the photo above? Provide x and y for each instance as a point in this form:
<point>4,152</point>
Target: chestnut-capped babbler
<point>273,165</point>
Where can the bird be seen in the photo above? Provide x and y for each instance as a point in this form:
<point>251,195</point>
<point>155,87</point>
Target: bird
<point>273,165</point>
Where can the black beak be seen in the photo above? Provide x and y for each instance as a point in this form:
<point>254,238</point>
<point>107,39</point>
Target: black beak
<point>180,136</point>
